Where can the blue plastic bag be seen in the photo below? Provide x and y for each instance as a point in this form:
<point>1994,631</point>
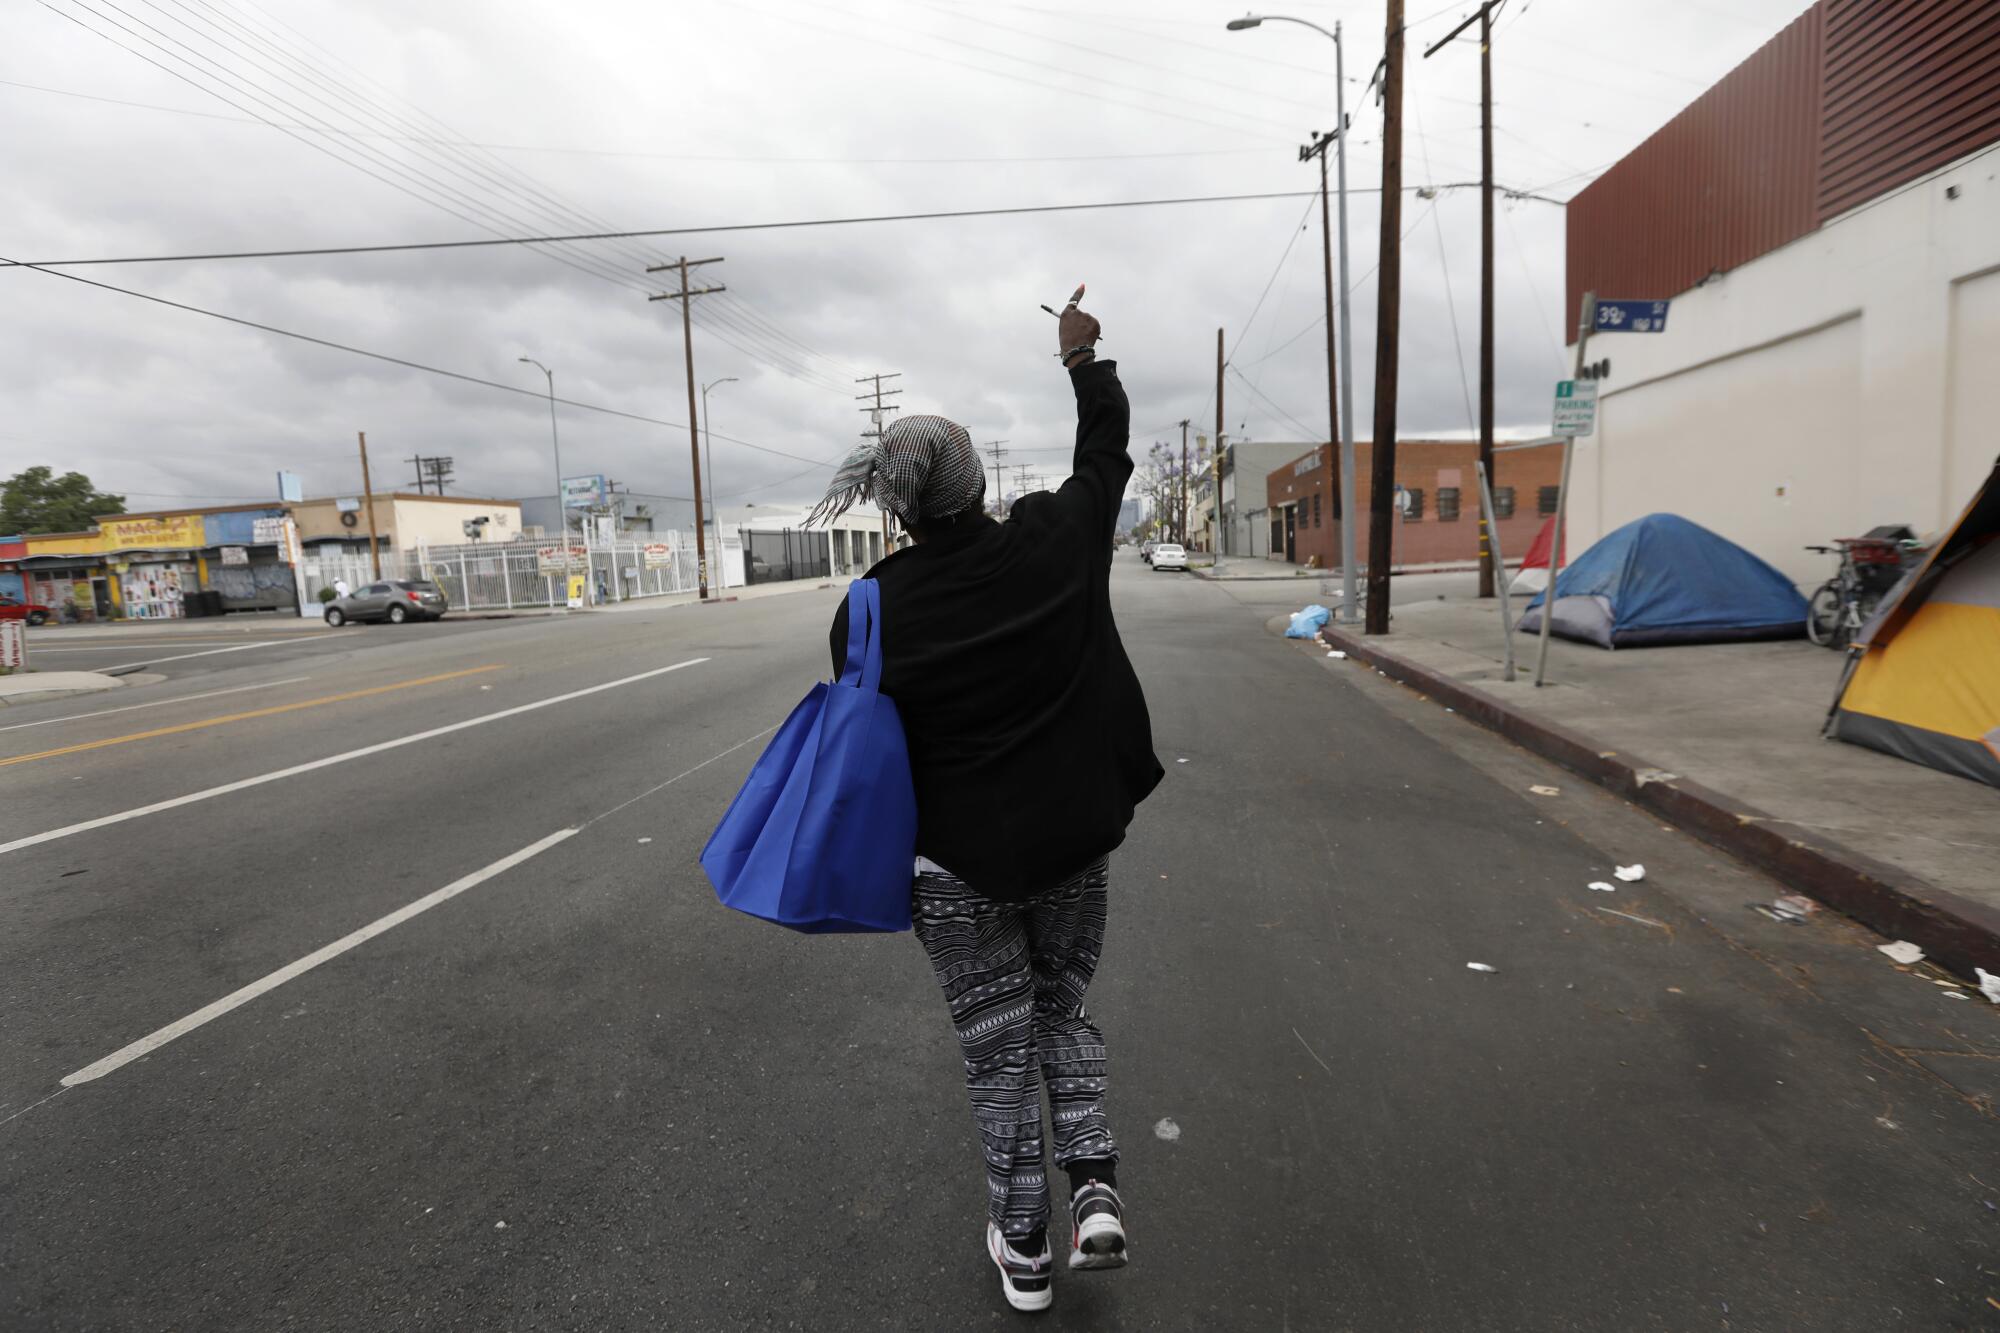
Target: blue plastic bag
<point>823,836</point>
<point>1307,623</point>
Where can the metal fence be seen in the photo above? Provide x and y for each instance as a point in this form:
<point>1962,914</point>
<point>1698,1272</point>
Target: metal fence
<point>780,557</point>
<point>505,575</point>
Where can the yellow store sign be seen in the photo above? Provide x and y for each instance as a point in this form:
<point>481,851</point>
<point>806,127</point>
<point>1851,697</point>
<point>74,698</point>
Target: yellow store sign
<point>131,534</point>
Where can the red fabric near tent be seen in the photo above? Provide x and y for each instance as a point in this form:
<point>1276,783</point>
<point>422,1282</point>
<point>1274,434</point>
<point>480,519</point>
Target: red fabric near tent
<point>1538,550</point>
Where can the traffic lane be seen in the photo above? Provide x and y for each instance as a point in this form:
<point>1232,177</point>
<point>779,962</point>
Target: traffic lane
<point>171,915</point>
<point>420,1091</point>
<point>160,767</point>
<point>685,1114</point>
<point>1627,1122</point>
<point>184,656</point>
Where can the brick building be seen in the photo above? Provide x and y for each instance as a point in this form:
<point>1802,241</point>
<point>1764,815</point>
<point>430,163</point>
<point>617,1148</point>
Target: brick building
<point>1440,522</point>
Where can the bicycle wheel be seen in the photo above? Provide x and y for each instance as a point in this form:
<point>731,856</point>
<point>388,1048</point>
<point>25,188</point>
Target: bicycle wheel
<point>1824,614</point>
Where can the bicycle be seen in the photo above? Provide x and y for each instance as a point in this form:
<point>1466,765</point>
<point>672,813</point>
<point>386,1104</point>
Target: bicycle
<point>1837,610</point>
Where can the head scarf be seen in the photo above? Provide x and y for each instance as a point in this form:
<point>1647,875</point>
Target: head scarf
<point>921,469</point>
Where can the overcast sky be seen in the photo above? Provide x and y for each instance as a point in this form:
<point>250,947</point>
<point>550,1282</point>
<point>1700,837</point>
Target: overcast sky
<point>597,114</point>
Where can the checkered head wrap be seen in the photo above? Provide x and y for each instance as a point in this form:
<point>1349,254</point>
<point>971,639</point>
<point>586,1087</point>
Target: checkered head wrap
<point>921,469</point>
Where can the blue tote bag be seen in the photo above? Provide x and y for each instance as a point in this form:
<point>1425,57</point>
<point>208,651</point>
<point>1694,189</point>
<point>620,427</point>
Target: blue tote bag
<point>823,835</point>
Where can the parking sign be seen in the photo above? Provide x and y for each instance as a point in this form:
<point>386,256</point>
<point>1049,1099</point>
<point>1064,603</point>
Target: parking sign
<point>1576,408</point>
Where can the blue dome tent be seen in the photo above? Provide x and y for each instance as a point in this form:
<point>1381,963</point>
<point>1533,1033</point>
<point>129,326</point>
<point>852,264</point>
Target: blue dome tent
<point>1661,579</point>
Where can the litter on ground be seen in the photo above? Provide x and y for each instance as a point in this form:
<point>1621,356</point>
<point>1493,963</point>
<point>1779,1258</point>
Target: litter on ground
<point>1482,967</point>
<point>1795,903</point>
<point>1602,887</point>
<point>1902,951</point>
<point>1166,1131</point>
<point>1631,874</point>
<point>1335,652</point>
<point>1989,984</point>
<point>1546,791</point>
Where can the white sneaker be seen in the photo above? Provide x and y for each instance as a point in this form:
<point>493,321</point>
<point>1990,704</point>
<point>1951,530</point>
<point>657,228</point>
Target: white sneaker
<point>1024,1279</point>
<point>1097,1228</point>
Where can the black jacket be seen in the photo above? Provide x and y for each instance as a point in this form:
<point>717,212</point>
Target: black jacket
<point>1028,731</point>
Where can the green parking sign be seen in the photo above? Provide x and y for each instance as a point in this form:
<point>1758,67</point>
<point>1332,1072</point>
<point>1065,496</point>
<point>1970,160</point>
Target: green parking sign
<point>1575,408</point>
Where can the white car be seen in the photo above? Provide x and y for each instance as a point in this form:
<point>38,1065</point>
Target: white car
<point>1166,556</point>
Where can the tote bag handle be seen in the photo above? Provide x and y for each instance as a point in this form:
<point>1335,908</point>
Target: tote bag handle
<point>864,635</point>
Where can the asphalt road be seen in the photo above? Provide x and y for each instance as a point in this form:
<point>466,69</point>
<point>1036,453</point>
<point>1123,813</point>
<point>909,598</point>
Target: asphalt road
<point>230,645</point>
<point>570,1091</point>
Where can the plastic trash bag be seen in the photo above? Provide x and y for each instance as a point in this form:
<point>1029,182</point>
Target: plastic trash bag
<point>1307,623</point>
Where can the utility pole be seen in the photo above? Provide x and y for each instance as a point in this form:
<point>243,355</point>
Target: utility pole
<point>1317,148</point>
<point>686,297</point>
<point>996,448</point>
<point>1021,478</point>
<point>1388,328</point>
<point>1180,528</point>
<point>1485,17</point>
<point>1218,444</point>
<point>368,489</point>
<point>875,412</point>
<point>878,393</point>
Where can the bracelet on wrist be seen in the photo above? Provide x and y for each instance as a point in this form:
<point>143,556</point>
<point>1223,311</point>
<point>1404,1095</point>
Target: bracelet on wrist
<point>1064,357</point>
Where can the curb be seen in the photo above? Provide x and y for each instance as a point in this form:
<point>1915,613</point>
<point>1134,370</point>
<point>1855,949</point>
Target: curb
<point>1954,932</point>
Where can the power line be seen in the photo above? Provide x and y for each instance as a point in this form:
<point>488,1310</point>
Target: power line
<point>717,229</point>
<point>748,159</point>
<point>401,361</point>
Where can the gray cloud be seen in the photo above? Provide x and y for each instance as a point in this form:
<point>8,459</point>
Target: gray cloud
<point>163,404</point>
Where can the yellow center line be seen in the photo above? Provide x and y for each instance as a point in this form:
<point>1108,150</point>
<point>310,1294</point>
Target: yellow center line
<point>244,717</point>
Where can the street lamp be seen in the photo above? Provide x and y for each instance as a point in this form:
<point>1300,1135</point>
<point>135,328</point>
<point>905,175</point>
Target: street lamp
<point>1349,597</point>
<point>715,501</point>
<point>555,441</point>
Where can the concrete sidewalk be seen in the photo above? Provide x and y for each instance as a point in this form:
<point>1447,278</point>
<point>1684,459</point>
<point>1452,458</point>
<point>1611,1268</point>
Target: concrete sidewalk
<point>31,686</point>
<point>1257,569</point>
<point>1909,850</point>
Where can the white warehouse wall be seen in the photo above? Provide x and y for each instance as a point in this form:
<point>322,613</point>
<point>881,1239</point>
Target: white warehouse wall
<point>1850,378</point>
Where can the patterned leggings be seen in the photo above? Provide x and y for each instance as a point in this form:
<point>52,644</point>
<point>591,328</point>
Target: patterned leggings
<point>1014,974</point>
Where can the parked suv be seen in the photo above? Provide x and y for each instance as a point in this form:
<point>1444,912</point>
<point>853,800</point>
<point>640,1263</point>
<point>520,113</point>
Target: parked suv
<point>394,600</point>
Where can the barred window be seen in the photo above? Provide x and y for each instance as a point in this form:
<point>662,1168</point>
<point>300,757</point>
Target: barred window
<point>1447,504</point>
<point>1416,509</point>
<point>1545,500</point>
<point>1503,502</point>
<point>1315,508</point>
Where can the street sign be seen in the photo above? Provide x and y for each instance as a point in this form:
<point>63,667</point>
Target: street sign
<point>1576,408</point>
<point>290,488</point>
<point>235,555</point>
<point>1631,317</point>
<point>582,492</point>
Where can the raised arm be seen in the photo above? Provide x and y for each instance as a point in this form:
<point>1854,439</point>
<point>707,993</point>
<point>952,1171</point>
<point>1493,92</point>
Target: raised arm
<point>1102,463</point>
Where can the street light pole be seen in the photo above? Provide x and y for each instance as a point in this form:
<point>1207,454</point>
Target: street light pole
<point>1344,418</point>
<point>715,504</point>
<point>555,443</point>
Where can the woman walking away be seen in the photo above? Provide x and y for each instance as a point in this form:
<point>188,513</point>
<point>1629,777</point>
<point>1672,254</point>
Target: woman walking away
<point>1030,746</point>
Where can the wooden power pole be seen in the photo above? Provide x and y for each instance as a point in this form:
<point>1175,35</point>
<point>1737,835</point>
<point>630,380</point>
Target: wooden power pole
<point>686,297</point>
<point>1216,465</point>
<point>1487,572</point>
<point>1388,328</point>
<point>1180,530</point>
<point>368,490</point>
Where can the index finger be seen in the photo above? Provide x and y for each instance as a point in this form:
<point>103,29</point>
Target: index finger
<point>1078,297</point>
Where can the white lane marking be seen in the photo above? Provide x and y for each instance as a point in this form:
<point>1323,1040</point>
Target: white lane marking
<point>210,652</point>
<point>104,821</point>
<point>181,1027</point>
<point>152,1042</point>
<point>157,703</point>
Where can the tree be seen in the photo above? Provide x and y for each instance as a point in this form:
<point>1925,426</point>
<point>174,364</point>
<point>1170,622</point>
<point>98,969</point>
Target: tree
<point>36,501</point>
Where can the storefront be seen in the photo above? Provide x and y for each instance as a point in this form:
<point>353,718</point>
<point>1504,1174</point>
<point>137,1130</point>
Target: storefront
<point>155,560</point>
